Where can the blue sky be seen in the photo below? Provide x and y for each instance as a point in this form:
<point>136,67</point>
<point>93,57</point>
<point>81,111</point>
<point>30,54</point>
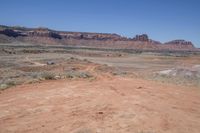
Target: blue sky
<point>162,20</point>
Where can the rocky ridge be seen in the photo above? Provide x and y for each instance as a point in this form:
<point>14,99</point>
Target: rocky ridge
<point>104,40</point>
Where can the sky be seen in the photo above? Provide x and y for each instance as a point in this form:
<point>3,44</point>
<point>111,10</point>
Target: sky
<point>162,20</point>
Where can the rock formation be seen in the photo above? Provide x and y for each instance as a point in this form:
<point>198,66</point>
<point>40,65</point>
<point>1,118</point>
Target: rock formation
<point>143,38</point>
<point>86,39</point>
<point>11,33</point>
<point>41,32</point>
<point>180,44</point>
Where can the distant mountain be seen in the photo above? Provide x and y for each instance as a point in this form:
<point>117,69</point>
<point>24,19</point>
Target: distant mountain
<point>43,35</point>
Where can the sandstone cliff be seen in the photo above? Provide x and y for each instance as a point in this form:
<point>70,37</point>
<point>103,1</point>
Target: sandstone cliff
<point>86,39</point>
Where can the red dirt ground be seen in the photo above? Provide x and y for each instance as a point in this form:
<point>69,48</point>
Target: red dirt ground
<point>105,105</point>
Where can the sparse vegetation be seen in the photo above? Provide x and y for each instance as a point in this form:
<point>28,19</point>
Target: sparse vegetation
<point>119,77</point>
<point>78,74</point>
<point>7,84</point>
<point>29,69</point>
<point>48,75</point>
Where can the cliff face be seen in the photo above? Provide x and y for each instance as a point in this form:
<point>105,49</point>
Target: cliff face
<point>11,33</point>
<point>103,40</point>
<point>143,37</point>
<point>179,44</point>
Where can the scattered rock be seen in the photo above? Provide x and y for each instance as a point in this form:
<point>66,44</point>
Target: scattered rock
<point>139,87</point>
<point>50,62</point>
<point>100,112</point>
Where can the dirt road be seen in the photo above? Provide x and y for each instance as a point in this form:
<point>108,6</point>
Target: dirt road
<point>117,105</point>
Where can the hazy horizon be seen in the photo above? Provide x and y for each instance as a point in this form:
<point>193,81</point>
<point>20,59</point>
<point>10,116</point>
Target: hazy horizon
<point>161,20</point>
